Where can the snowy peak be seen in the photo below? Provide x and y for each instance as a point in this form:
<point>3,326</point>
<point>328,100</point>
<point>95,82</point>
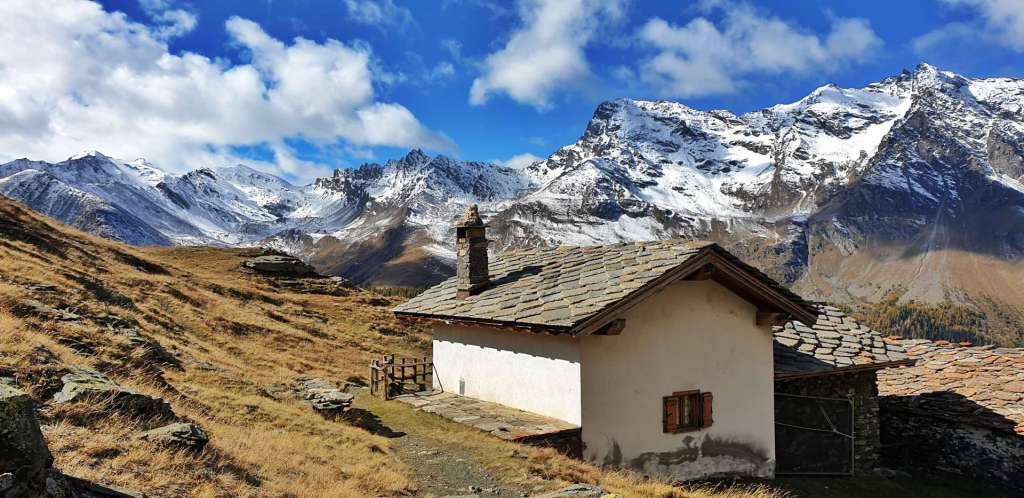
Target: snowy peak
<point>902,149</point>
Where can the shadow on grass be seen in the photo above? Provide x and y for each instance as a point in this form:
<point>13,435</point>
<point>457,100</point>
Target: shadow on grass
<point>370,422</point>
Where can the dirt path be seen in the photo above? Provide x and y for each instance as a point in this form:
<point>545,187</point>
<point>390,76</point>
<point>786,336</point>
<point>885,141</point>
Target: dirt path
<point>440,468</point>
<point>445,471</point>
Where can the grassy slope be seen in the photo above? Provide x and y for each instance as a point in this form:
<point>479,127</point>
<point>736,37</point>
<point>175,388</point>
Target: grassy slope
<point>198,307</point>
<point>195,303</point>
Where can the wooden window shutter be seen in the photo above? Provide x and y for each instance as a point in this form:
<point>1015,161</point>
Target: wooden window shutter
<point>706,411</point>
<point>670,414</point>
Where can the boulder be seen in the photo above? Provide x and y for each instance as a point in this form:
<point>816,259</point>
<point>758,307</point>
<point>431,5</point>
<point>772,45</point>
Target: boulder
<point>89,386</point>
<point>24,456</point>
<point>279,265</point>
<point>579,491</point>
<point>182,435</point>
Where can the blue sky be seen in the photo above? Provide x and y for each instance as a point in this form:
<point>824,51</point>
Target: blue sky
<point>189,83</point>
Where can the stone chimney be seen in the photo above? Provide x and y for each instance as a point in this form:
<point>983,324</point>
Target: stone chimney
<point>471,249</point>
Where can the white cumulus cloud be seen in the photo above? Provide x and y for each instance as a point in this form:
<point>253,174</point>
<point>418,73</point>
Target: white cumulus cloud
<point>996,21</point>
<point>704,58</point>
<point>77,77</point>
<point>546,53</point>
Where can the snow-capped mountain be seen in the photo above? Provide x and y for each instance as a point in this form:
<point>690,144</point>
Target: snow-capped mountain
<point>915,180</point>
<point>340,222</point>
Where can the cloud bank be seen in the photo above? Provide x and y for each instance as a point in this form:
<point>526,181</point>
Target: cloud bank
<point>704,58</point>
<point>75,77</point>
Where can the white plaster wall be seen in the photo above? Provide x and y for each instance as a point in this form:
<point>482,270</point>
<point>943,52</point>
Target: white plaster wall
<point>533,372</point>
<point>692,335</point>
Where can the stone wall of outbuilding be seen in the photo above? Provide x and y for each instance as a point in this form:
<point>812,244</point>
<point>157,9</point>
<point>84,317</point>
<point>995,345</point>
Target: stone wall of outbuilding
<point>932,444</point>
<point>861,387</point>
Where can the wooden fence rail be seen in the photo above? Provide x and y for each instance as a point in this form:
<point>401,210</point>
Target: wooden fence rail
<point>390,376</point>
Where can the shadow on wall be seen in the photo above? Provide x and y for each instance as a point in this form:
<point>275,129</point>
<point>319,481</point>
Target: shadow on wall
<point>948,432</point>
<point>697,458</point>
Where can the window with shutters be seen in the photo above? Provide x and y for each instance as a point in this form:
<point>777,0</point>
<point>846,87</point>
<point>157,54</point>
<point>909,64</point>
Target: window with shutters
<point>686,411</point>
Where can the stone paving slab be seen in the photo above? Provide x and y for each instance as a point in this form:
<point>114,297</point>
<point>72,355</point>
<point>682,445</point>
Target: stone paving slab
<point>500,420</point>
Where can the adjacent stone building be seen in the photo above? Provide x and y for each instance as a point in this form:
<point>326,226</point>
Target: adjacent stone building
<point>827,395</point>
<point>959,410</point>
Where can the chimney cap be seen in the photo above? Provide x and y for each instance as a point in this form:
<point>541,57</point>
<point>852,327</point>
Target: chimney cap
<point>472,218</point>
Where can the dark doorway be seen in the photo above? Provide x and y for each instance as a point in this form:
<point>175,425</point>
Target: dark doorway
<point>813,435</point>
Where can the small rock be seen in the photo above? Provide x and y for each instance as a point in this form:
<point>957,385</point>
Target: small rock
<point>204,365</point>
<point>183,435</point>
<point>42,288</point>
<point>41,355</point>
<point>6,481</point>
<point>578,491</point>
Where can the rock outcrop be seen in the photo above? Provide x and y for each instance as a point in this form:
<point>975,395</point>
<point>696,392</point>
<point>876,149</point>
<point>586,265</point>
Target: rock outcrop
<point>87,385</point>
<point>279,265</point>
<point>324,396</point>
<point>24,456</point>
<point>26,463</point>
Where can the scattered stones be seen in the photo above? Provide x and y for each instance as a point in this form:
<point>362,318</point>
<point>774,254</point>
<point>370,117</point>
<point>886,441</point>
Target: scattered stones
<point>24,456</point>
<point>279,265</point>
<point>183,435</point>
<point>87,385</point>
<point>323,395</point>
<point>579,491</point>
<point>44,311</point>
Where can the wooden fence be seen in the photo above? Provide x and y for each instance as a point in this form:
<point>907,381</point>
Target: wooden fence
<point>390,376</point>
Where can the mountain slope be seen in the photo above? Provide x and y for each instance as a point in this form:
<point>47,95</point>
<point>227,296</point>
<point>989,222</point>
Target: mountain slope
<point>912,182</point>
<point>224,348</point>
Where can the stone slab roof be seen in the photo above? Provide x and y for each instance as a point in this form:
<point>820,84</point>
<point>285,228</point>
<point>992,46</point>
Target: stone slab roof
<point>835,342</point>
<point>981,385</point>
<point>557,290</point>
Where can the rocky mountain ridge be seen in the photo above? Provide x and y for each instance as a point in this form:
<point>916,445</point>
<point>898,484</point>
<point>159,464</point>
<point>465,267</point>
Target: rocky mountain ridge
<point>915,180</point>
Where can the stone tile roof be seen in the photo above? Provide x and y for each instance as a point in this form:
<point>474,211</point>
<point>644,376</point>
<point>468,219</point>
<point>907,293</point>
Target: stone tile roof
<point>981,385</point>
<point>559,288</point>
<point>836,341</point>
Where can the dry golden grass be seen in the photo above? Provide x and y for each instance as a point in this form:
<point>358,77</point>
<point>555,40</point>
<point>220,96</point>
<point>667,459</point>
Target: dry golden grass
<point>531,467</point>
<point>195,303</point>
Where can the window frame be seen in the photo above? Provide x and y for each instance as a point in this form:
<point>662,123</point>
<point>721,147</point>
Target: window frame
<point>696,400</point>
